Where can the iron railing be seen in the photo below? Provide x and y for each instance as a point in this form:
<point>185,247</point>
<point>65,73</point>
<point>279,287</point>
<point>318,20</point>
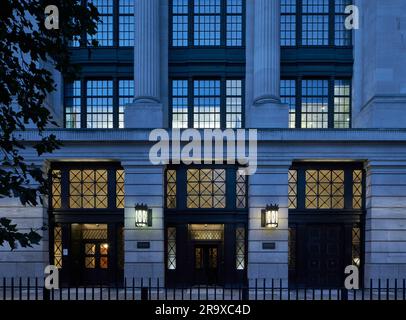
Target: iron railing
<point>153,289</point>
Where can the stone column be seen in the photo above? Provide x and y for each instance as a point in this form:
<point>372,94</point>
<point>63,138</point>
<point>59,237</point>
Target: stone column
<point>379,84</point>
<point>146,111</point>
<point>267,110</point>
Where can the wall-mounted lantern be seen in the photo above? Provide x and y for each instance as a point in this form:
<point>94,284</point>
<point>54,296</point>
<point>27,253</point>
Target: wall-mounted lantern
<point>270,216</point>
<point>143,216</point>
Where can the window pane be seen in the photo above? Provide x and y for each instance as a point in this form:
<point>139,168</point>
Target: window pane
<point>180,104</point>
<point>288,96</point>
<point>88,189</point>
<point>126,23</point>
<point>324,189</point>
<point>126,96</point>
<point>207,22</point>
<point>180,22</point>
<point>234,22</point>
<point>240,248</point>
<point>72,105</point>
<point>206,104</point>
<point>314,103</point>
<point>234,106</point>
<point>315,26</point>
<point>206,188</point>
<point>288,22</point>
<point>104,33</point>
<point>171,263</point>
<point>342,104</point>
<point>99,104</point>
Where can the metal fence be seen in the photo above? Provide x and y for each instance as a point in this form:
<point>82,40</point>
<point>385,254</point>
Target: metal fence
<point>152,289</point>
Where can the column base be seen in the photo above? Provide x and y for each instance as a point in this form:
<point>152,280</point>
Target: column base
<point>144,115</point>
<point>383,113</point>
<point>269,115</point>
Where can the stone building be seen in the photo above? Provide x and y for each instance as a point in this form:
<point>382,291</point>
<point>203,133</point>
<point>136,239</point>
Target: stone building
<point>329,105</point>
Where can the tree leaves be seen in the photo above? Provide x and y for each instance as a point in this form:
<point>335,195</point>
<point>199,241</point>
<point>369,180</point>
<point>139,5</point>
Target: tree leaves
<point>27,53</point>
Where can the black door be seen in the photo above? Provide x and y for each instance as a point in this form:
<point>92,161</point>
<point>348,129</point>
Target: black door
<point>206,264</point>
<point>321,256</point>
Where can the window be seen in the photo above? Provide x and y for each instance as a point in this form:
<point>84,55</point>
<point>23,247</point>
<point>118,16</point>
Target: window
<point>240,248</point>
<point>196,188</point>
<point>116,25</point>
<point>126,23</point>
<point>206,188</point>
<point>104,33</point>
<point>342,103</point>
<point>288,22</point>
<point>125,96</point>
<point>326,187</point>
<point>210,104</point>
<point>73,105</point>
<point>99,104</point>
<point>207,23</point>
<point>88,189</point>
<point>171,243</point>
<point>171,189</point>
<point>322,23</point>
<point>292,193</point>
<point>314,104</point>
<point>94,103</point>
<point>58,247</point>
<point>317,103</point>
<point>315,19</point>
<point>342,36</point>
<point>288,96</point>
<point>206,104</point>
<point>81,187</point>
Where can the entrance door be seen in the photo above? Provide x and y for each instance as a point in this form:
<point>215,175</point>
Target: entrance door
<point>96,261</point>
<point>321,256</point>
<point>206,264</point>
<point>95,254</point>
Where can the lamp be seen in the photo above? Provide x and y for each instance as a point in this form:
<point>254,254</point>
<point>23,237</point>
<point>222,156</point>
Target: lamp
<point>270,216</point>
<point>143,216</point>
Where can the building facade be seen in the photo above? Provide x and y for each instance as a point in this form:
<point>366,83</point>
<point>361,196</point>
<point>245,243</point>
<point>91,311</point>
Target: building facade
<point>329,105</point>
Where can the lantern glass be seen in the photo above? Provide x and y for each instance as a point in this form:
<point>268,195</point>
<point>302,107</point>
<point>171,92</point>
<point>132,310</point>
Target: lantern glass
<point>271,218</point>
<point>141,217</point>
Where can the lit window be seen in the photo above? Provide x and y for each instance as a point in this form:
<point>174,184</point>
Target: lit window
<point>314,104</point>
<point>324,103</point>
<point>171,263</point>
<point>215,104</point>
<point>342,104</point>
<point>88,189</point>
<point>58,247</point>
<point>240,248</point>
<point>99,104</point>
<point>180,104</point>
<point>206,188</point>
<point>288,96</point>
<point>234,104</point>
<point>126,96</point>
<point>120,189</point>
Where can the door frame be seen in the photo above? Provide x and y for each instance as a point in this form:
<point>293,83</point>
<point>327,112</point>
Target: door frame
<point>220,262</point>
<point>346,220</point>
